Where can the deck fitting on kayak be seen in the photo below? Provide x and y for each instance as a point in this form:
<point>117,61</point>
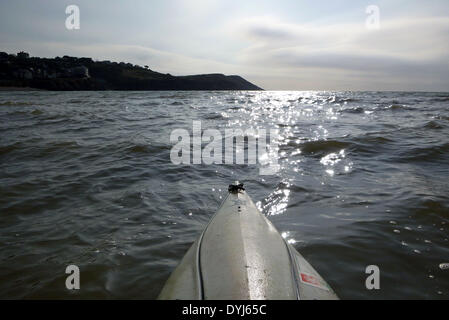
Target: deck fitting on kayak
<point>235,188</point>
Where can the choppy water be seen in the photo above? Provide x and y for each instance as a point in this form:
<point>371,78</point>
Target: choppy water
<point>86,179</point>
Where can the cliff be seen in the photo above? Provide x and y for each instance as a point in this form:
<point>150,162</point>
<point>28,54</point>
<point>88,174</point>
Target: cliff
<point>71,73</point>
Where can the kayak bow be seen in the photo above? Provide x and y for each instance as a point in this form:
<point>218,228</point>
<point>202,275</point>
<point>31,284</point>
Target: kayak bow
<point>241,255</point>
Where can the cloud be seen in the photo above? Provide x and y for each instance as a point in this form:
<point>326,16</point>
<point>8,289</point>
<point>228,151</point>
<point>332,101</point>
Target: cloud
<point>400,50</point>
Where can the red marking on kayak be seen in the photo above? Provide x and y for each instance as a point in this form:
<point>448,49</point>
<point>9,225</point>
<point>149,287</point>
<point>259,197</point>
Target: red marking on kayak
<point>308,278</point>
<point>312,280</point>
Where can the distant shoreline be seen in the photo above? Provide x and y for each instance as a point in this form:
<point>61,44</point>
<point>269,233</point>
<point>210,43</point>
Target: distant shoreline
<point>20,89</point>
<point>78,74</point>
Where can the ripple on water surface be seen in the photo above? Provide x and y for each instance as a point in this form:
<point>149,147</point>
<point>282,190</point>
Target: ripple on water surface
<point>86,179</point>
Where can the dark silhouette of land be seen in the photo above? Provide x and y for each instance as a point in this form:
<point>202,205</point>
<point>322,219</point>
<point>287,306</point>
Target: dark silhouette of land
<point>71,73</point>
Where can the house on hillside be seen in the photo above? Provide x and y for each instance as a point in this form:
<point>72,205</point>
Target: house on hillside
<point>78,72</point>
<point>23,55</point>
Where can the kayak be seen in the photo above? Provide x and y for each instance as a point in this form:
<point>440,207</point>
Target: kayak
<point>241,256</point>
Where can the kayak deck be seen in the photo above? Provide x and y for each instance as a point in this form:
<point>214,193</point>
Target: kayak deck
<point>241,256</point>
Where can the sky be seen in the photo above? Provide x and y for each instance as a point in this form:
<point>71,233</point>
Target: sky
<point>278,45</point>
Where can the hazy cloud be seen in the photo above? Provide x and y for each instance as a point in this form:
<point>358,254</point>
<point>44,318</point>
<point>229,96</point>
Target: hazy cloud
<point>401,49</point>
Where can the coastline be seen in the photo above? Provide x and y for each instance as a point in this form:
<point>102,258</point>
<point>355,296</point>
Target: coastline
<point>84,74</point>
<point>20,89</point>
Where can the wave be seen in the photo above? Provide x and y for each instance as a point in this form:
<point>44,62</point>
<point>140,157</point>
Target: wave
<point>323,146</point>
<point>370,144</point>
<point>436,206</point>
<point>398,107</point>
<point>354,110</point>
<point>426,154</point>
<point>16,103</point>
<point>213,116</point>
<point>76,101</point>
<point>372,139</point>
<point>433,125</point>
<point>131,147</point>
<point>17,112</point>
<point>440,117</point>
<point>440,99</point>
<point>139,149</point>
<point>149,103</point>
<point>35,148</point>
<point>9,148</point>
<point>36,112</point>
<point>344,100</point>
<point>59,145</point>
<point>362,144</point>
